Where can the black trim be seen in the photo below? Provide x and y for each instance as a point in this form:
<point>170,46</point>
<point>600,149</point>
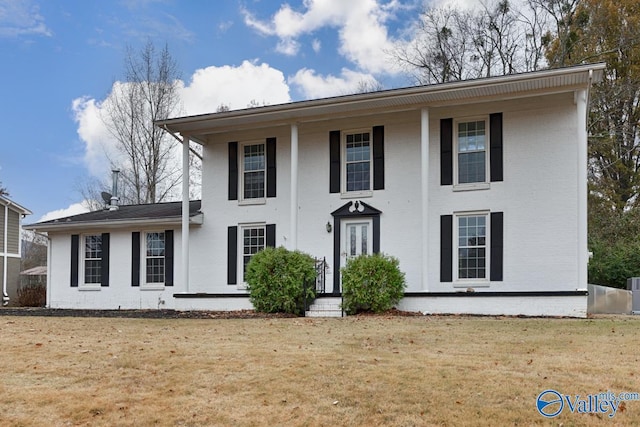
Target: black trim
<point>104,264</point>
<point>446,248</point>
<point>334,161</point>
<point>378,157</point>
<point>497,225</point>
<point>232,255</point>
<point>348,211</point>
<point>271,167</point>
<point>495,144</point>
<point>168,257</point>
<point>135,258</point>
<point>270,235</point>
<point>446,151</point>
<point>75,250</point>
<point>233,171</point>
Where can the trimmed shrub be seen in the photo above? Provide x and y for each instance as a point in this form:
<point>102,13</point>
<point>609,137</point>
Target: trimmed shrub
<point>32,296</point>
<point>371,283</point>
<point>276,278</point>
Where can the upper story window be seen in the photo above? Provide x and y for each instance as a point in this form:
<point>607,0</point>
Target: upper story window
<point>154,252</point>
<point>471,151</point>
<point>253,171</point>
<point>92,259</point>
<point>357,164</point>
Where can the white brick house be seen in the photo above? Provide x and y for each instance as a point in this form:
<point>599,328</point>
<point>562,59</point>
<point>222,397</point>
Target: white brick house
<point>478,187</point>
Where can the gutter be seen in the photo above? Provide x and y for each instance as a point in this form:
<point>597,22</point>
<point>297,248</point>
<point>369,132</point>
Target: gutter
<point>5,249</point>
<point>196,219</point>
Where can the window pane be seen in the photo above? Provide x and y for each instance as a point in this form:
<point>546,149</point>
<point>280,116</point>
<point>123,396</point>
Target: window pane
<point>471,152</point>
<point>472,247</point>
<point>471,167</point>
<point>358,162</point>
<point>253,242</point>
<point>92,271</point>
<point>254,171</point>
<point>155,270</point>
<point>364,239</point>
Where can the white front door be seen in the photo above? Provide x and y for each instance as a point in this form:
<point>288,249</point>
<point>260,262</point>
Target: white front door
<point>357,238</point>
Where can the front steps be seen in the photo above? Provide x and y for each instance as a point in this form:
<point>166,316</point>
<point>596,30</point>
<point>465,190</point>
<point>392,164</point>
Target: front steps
<point>325,307</point>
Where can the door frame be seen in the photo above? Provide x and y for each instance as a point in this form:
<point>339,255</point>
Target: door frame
<point>352,210</point>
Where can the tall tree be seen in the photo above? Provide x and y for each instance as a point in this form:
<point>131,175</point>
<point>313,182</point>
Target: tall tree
<point>493,39</point>
<point>149,171</point>
<point>3,190</point>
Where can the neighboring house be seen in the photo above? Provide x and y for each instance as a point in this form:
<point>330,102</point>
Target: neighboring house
<point>478,187</point>
<point>11,215</point>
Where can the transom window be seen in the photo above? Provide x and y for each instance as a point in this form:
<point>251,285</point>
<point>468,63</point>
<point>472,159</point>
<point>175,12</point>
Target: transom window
<point>93,259</point>
<point>253,241</point>
<point>472,152</point>
<point>472,247</point>
<point>358,161</point>
<point>154,255</point>
<point>253,171</point>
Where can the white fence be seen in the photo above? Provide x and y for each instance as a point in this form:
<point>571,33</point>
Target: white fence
<point>605,300</point>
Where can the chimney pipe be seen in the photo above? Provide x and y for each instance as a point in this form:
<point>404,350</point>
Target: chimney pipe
<point>114,191</point>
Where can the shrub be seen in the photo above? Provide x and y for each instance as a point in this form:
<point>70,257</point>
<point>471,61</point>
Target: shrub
<point>32,295</point>
<point>276,278</point>
<point>371,283</point>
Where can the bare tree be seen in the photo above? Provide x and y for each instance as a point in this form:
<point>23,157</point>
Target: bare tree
<point>146,155</point>
<point>3,190</point>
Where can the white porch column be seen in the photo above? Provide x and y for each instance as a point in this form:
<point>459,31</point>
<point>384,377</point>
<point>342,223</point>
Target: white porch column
<point>424,161</point>
<point>185,212</point>
<point>583,250</point>
<point>293,231</point>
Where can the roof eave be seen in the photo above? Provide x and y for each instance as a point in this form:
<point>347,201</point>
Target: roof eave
<point>107,224</point>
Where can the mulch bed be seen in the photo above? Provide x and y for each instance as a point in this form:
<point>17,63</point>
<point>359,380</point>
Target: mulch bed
<point>164,314</point>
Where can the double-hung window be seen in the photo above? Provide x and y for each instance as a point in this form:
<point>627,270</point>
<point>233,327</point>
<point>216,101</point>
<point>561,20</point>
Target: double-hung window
<point>92,259</point>
<point>253,171</point>
<point>253,241</point>
<point>357,165</point>
<point>154,252</point>
<point>471,151</point>
<point>472,251</point>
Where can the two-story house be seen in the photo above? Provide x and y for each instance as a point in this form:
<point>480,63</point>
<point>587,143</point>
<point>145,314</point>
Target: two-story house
<point>478,187</point>
<point>11,215</point>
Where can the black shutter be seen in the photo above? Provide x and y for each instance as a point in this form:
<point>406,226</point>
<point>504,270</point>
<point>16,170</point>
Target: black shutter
<point>233,171</point>
<point>135,258</point>
<point>168,258</point>
<point>497,225</point>
<point>270,232</point>
<point>232,255</point>
<point>334,161</point>
<point>446,151</point>
<point>446,248</point>
<point>495,144</point>
<point>75,243</point>
<point>104,267</point>
<point>271,167</point>
<point>378,157</point>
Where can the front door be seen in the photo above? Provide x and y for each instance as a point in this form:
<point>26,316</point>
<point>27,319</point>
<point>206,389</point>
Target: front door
<point>357,238</point>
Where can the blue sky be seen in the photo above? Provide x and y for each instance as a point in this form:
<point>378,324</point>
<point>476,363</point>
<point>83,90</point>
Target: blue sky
<point>59,60</point>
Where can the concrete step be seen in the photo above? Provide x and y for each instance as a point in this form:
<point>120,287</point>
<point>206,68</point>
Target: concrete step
<point>324,308</point>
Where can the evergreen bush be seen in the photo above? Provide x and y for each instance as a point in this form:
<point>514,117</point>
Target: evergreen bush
<point>276,279</point>
<point>371,283</point>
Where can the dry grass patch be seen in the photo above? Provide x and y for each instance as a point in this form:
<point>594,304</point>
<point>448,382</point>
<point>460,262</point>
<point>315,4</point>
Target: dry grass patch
<point>400,371</point>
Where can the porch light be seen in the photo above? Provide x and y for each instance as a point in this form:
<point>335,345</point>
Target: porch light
<point>329,227</point>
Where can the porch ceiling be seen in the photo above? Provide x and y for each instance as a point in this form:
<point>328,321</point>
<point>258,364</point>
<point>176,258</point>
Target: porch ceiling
<point>469,91</point>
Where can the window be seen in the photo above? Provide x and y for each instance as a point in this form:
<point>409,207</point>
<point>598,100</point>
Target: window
<point>155,258</point>
<point>253,241</point>
<point>357,167</point>
<point>92,263</point>
<point>472,247</point>
<point>253,171</point>
<point>471,152</point>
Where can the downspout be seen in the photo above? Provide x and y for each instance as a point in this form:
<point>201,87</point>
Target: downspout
<point>5,249</point>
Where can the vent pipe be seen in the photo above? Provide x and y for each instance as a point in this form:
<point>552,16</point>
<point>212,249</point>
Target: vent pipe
<point>114,191</point>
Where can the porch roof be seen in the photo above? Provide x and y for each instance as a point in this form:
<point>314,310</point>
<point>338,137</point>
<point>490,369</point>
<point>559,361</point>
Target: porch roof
<point>411,98</point>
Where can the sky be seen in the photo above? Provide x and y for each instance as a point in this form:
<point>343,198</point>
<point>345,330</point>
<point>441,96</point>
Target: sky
<point>59,60</point>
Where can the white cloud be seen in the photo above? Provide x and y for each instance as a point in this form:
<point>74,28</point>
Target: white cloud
<point>21,17</point>
<point>361,27</point>
<point>93,132</point>
<point>236,87</point>
<point>74,209</point>
<point>313,85</point>
<point>316,45</point>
